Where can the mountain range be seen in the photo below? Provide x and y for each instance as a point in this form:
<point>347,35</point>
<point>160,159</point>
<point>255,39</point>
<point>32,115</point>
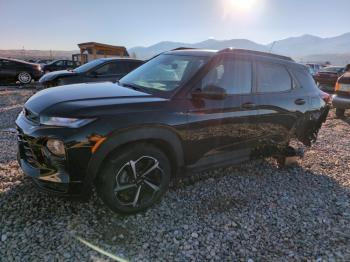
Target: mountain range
<point>302,48</point>
<point>305,48</point>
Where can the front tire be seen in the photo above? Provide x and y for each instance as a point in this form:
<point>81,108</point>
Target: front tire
<point>134,179</point>
<point>339,112</point>
<point>24,78</point>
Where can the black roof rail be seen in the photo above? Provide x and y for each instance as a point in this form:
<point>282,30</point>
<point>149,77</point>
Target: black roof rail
<point>252,52</point>
<point>182,48</point>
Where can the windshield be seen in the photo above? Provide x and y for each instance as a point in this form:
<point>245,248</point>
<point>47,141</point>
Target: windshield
<point>86,67</point>
<point>332,69</point>
<point>164,73</point>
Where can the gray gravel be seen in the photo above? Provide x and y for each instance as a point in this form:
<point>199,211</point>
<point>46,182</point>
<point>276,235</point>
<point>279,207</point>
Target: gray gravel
<point>252,212</point>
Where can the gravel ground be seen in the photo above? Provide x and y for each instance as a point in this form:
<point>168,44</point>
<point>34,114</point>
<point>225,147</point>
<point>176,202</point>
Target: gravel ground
<point>252,212</point>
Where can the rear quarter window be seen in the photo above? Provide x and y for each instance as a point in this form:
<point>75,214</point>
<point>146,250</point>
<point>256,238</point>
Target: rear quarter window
<point>304,78</point>
<point>272,78</point>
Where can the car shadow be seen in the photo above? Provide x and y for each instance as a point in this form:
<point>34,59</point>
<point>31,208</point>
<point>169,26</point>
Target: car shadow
<point>255,202</point>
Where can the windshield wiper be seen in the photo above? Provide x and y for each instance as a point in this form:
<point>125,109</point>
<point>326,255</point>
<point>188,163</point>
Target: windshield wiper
<point>133,86</point>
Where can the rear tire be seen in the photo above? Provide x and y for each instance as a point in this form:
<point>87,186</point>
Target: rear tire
<point>134,179</point>
<point>339,112</point>
<point>24,78</point>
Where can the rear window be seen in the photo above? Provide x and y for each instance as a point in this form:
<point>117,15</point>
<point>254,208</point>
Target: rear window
<point>304,78</point>
<point>272,78</point>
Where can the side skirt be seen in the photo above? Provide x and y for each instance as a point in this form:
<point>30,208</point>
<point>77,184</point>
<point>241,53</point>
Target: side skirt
<point>219,161</point>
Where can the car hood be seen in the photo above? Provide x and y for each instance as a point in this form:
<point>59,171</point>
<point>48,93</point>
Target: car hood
<point>85,99</point>
<point>53,75</point>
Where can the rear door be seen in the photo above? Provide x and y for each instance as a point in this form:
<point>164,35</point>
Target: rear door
<point>280,99</point>
<point>220,126</point>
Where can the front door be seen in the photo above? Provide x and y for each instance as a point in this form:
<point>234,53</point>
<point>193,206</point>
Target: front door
<point>222,124</point>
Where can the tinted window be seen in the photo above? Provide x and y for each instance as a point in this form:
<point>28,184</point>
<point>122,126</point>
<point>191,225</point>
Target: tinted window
<point>7,63</point>
<point>235,76</point>
<point>69,63</point>
<point>59,63</point>
<point>132,65</point>
<point>110,69</point>
<point>304,78</point>
<point>273,78</point>
<point>88,66</point>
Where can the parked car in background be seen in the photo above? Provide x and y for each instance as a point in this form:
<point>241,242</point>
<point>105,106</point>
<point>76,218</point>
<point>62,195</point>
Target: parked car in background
<point>184,110</point>
<point>99,70</point>
<point>18,70</point>
<point>43,61</point>
<point>314,68</point>
<point>327,77</point>
<point>341,99</point>
<point>59,65</point>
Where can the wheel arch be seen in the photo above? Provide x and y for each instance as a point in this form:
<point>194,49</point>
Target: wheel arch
<point>162,137</point>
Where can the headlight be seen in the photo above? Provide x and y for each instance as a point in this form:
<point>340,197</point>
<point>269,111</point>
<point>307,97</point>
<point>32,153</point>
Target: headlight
<point>62,121</point>
<point>56,147</point>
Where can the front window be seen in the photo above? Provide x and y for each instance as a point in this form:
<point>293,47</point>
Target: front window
<point>232,75</point>
<point>164,73</point>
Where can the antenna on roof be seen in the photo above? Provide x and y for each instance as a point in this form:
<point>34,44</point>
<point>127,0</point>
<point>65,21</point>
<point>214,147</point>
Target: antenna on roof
<point>273,44</point>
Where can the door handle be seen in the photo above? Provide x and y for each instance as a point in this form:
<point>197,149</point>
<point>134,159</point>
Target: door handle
<point>248,105</point>
<point>299,101</point>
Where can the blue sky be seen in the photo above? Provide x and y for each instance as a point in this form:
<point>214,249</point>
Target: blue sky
<point>61,24</point>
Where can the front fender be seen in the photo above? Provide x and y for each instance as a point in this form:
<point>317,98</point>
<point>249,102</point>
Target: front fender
<point>164,134</point>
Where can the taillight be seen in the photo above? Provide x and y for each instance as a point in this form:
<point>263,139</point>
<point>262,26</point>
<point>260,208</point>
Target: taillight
<point>345,88</point>
<point>337,86</point>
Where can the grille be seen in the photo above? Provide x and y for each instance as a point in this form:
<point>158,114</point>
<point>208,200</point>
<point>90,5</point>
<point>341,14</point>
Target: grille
<point>27,150</point>
<point>31,116</point>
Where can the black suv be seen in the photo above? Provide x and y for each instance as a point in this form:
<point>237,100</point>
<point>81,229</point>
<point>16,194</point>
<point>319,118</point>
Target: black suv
<point>99,70</point>
<point>18,70</point>
<point>182,110</point>
<point>61,64</point>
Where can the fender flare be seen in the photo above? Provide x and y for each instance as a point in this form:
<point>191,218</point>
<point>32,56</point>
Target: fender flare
<point>120,138</point>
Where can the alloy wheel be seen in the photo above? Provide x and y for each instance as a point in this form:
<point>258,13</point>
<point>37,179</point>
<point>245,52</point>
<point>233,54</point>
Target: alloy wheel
<point>137,183</point>
<point>24,78</point>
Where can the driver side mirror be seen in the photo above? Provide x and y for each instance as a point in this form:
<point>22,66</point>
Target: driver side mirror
<point>210,92</point>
